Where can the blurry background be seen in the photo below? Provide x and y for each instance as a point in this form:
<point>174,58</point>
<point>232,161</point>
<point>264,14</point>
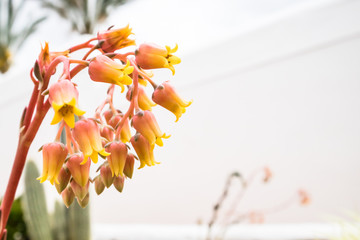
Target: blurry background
<point>274,83</point>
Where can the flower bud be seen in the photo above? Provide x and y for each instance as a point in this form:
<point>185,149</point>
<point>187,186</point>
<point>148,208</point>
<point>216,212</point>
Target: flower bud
<point>107,132</point>
<point>119,183</point>
<point>166,96</point>
<point>99,185</point>
<point>63,97</point>
<point>84,202</point>
<point>54,155</point>
<point>117,157</point>
<point>68,196</point>
<point>114,39</point>
<point>145,123</point>
<point>80,173</point>
<point>87,134</point>
<point>46,57</point>
<point>144,101</point>
<point>129,165</point>
<point>125,133</point>
<point>64,177</point>
<point>106,175</point>
<point>79,191</point>
<point>104,69</point>
<point>144,150</point>
<point>151,56</point>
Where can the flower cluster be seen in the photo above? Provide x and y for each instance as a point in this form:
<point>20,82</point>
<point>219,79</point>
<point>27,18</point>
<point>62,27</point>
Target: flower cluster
<point>118,137</point>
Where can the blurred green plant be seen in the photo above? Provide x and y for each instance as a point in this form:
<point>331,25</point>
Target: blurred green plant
<point>71,223</point>
<point>12,34</point>
<point>83,15</point>
<point>16,228</point>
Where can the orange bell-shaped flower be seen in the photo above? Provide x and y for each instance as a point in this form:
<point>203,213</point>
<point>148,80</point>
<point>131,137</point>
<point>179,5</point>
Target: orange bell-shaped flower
<point>166,96</point>
<point>151,56</point>
<point>54,155</point>
<point>145,123</point>
<point>87,134</point>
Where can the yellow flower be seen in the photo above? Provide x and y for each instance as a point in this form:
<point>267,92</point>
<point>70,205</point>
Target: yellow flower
<point>145,103</point>
<point>117,158</point>
<point>166,96</point>
<point>145,123</point>
<point>80,173</point>
<point>151,56</point>
<point>114,39</point>
<point>144,150</point>
<point>87,134</point>
<point>54,155</point>
<point>104,69</point>
<point>63,97</point>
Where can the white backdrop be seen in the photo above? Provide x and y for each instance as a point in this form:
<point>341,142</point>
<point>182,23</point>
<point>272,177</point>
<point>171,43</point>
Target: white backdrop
<point>285,95</point>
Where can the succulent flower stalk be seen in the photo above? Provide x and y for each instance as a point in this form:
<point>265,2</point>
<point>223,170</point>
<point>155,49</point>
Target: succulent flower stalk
<point>110,62</point>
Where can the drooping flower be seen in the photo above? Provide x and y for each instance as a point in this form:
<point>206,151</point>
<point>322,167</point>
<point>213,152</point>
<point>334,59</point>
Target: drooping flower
<point>80,191</point>
<point>54,155</point>
<point>145,123</point>
<point>114,39</point>
<point>144,101</point>
<point>63,97</point>
<point>166,96</point>
<point>63,177</point>
<point>119,183</point>
<point>151,56</point>
<point>79,172</point>
<point>129,165</point>
<point>99,185</point>
<point>107,132</point>
<point>106,175</point>
<point>68,196</point>
<point>104,69</point>
<point>117,158</point>
<point>87,134</point>
<point>144,150</point>
<point>83,202</point>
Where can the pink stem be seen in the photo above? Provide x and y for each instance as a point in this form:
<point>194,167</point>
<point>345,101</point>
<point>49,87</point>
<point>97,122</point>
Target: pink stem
<point>82,45</point>
<point>133,102</point>
<point>25,140</point>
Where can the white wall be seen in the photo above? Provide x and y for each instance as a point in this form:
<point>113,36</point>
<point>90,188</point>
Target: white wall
<point>285,95</point>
